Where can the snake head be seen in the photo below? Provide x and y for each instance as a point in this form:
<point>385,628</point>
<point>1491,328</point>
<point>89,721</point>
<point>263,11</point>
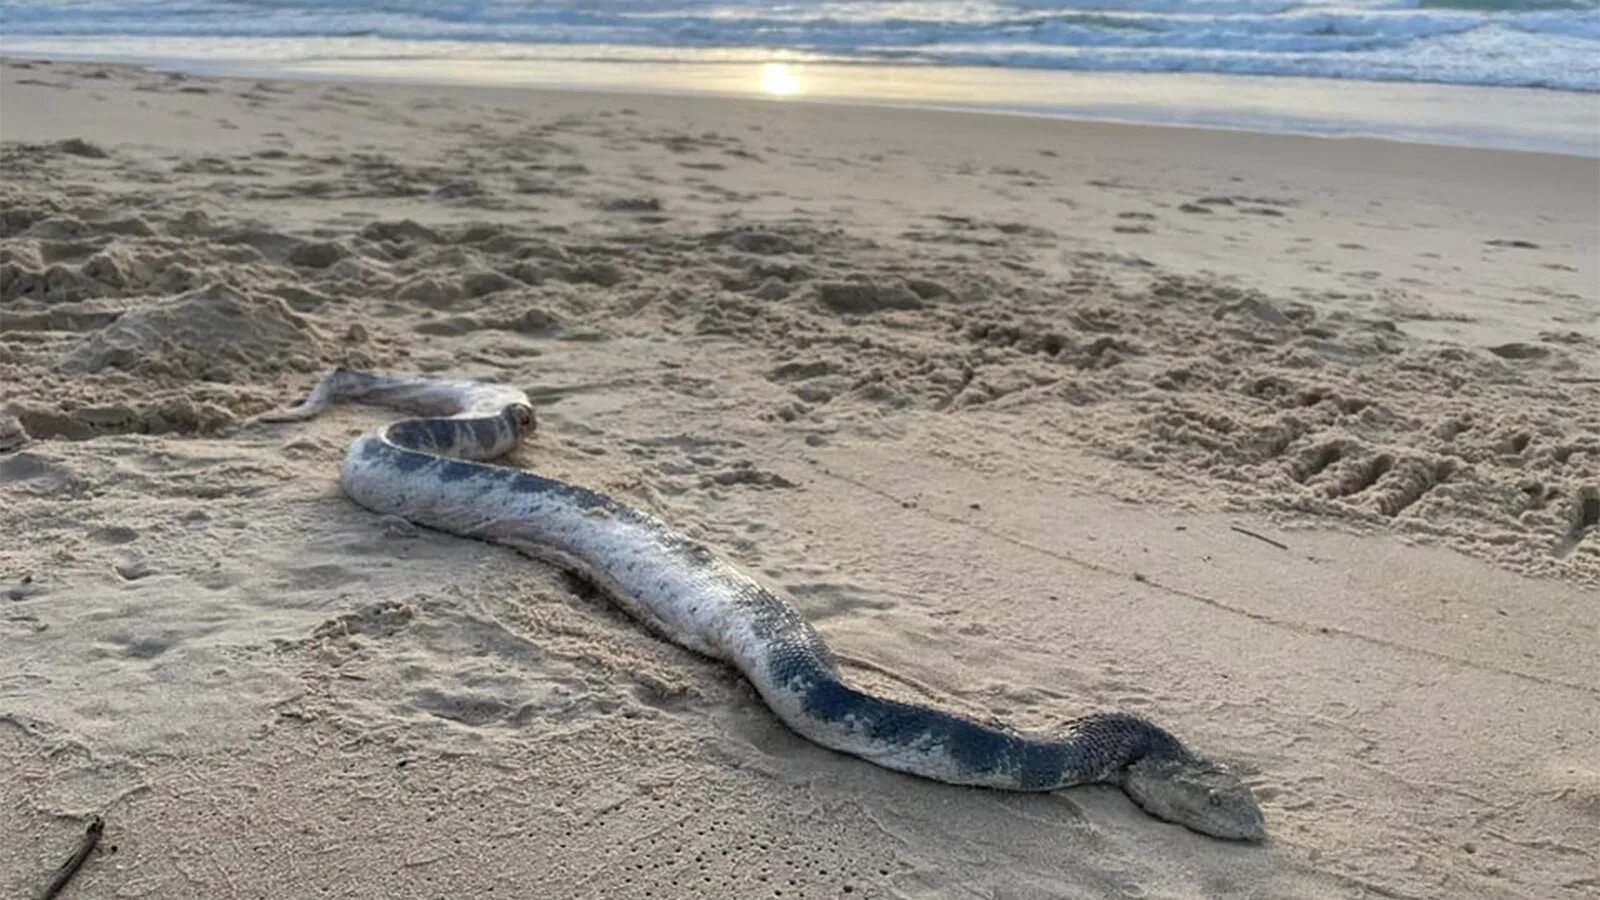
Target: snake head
<point>522,415</point>
<point>1198,794</point>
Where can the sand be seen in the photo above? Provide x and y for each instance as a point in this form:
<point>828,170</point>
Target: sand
<point>1291,444</point>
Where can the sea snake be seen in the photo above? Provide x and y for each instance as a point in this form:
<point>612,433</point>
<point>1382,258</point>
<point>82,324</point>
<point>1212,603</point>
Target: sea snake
<point>428,471</point>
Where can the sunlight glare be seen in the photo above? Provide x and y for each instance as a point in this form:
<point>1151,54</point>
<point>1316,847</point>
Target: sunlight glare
<point>780,79</point>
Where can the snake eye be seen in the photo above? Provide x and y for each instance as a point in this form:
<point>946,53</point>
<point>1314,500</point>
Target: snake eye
<point>1214,800</point>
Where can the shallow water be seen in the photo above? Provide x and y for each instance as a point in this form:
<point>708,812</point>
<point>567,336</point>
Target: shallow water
<point>1497,117</point>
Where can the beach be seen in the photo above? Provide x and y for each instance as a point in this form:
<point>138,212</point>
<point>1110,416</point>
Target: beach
<point>1289,443</point>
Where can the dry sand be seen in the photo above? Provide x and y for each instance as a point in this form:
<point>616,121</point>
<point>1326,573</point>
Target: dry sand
<point>996,400</point>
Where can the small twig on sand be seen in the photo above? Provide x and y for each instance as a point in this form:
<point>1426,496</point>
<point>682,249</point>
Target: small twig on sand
<point>91,837</point>
<point>1260,537</point>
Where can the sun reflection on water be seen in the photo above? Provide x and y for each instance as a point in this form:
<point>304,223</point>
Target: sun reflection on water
<point>780,79</point>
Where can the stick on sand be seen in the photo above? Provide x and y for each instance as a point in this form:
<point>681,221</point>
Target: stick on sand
<point>91,837</point>
<point>1260,537</point>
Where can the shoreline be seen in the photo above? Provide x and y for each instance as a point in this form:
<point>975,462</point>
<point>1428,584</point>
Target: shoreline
<point>1437,114</point>
<point>1497,178</point>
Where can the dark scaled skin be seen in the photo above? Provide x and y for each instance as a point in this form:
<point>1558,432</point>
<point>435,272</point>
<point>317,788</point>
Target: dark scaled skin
<point>424,470</point>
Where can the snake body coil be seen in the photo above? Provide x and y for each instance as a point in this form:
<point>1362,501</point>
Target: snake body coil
<point>426,470</point>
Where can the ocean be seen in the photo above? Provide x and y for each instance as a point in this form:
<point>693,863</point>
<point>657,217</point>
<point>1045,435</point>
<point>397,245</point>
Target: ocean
<point>1525,43</point>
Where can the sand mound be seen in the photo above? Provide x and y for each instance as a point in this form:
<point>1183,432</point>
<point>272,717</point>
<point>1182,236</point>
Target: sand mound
<point>89,412</point>
<point>866,296</point>
<point>215,334</point>
<point>12,432</point>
